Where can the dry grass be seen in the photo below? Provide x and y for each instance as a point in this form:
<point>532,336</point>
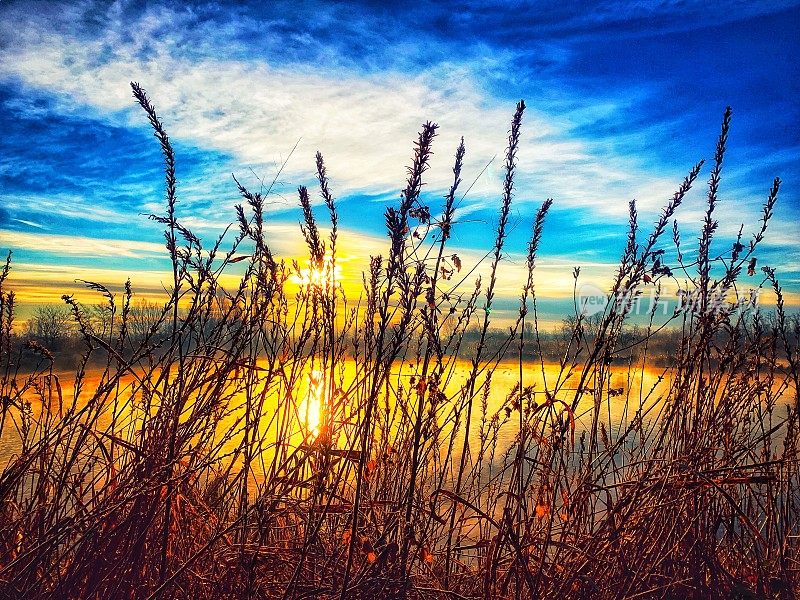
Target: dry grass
<point>191,467</point>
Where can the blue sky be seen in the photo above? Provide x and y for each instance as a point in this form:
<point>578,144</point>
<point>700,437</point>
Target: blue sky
<point>623,98</point>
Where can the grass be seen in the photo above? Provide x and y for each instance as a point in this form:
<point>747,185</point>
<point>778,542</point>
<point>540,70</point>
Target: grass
<point>193,462</point>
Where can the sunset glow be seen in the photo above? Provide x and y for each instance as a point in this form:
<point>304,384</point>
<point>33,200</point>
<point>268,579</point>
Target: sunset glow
<point>364,300</point>
<point>604,128</point>
<point>318,277</point>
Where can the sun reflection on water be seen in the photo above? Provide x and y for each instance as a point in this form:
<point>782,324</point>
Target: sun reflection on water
<point>311,409</point>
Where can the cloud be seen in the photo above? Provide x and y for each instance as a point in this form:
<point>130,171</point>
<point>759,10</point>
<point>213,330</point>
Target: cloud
<point>32,224</point>
<point>57,245</point>
<point>553,275</point>
<point>255,109</point>
<point>236,89</point>
<point>63,205</point>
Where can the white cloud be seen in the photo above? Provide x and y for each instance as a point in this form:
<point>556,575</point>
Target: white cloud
<point>255,109</point>
<point>363,124</point>
<point>80,245</point>
<point>31,224</point>
<point>64,205</point>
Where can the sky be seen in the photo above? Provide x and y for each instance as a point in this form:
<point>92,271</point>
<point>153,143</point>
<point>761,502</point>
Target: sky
<point>623,98</point>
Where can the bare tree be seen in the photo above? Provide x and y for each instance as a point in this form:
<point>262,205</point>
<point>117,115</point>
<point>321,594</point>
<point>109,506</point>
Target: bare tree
<point>50,325</point>
<point>145,318</point>
<point>101,319</point>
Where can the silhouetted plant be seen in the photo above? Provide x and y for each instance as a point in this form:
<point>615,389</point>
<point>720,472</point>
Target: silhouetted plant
<point>269,439</point>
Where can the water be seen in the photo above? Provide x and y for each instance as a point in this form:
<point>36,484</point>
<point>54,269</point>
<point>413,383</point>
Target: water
<point>634,386</point>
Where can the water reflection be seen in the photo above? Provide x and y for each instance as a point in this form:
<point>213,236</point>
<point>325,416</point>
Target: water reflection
<point>633,387</point>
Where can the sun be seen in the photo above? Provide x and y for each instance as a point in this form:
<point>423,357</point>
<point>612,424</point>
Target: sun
<point>326,274</point>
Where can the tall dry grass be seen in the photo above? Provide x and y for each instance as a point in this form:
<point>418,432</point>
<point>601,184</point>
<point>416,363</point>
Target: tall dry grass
<point>192,466</point>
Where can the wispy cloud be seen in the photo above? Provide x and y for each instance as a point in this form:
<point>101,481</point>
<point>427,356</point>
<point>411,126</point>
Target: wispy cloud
<point>31,224</point>
<point>618,109</point>
<point>255,110</point>
<point>80,245</point>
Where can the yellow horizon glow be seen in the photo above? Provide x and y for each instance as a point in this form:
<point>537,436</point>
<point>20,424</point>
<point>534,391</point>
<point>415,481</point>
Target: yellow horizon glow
<point>45,283</point>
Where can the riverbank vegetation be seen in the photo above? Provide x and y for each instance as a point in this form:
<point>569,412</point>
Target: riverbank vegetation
<point>223,450</point>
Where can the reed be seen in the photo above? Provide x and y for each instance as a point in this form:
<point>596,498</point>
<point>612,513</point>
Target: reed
<point>274,440</point>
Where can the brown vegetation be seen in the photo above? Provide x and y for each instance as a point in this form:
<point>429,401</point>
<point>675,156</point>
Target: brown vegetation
<point>193,468</point>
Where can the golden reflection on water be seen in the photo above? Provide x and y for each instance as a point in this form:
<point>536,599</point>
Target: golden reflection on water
<point>312,404</point>
<point>638,388</point>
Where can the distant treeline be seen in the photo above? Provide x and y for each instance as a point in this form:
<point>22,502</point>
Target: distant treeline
<point>53,327</point>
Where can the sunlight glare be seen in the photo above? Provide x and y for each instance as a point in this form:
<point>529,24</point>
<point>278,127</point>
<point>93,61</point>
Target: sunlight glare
<point>312,407</point>
<point>317,277</point>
